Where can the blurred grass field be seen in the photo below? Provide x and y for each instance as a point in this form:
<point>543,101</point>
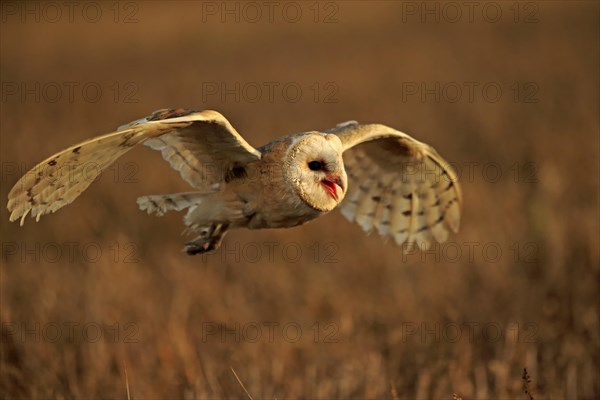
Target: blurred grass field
<point>99,295</point>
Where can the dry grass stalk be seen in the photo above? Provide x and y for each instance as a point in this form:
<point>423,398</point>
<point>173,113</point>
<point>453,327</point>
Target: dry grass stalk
<point>241,384</point>
<point>526,381</point>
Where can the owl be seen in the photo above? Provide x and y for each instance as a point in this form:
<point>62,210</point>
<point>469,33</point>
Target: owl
<point>378,177</point>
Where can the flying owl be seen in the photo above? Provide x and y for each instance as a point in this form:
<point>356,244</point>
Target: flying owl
<point>378,177</point>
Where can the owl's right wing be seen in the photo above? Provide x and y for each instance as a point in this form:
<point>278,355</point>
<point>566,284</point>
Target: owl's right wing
<point>398,185</point>
<point>202,146</point>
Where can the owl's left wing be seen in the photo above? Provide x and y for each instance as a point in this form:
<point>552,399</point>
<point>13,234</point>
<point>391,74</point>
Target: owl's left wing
<point>398,185</point>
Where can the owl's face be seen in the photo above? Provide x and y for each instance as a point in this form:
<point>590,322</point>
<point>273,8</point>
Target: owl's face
<point>315,169</point>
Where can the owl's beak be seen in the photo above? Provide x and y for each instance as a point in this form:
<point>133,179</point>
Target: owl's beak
<point>330,182</point>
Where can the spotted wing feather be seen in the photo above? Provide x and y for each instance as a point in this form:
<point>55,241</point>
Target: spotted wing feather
<point>186,138</point>
<point>397,185</point>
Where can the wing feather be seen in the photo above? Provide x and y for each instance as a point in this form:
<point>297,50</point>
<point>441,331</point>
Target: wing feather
<point>188,140</point>
<point>381,219</point>
<point>398,185</point>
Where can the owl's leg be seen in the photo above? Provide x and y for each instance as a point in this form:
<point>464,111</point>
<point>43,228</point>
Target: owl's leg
<point>210,239</point>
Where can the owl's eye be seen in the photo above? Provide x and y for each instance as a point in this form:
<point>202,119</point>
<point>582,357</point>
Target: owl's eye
<point>315,165</point>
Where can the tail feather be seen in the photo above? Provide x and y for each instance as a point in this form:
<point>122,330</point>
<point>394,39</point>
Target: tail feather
<point>203,208</point>
<point>160,204</point>
<point>209,215</point>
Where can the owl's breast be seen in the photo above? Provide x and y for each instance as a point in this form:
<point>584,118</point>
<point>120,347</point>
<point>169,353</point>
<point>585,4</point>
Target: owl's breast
<point>271,201</point>
<point>282,215</point>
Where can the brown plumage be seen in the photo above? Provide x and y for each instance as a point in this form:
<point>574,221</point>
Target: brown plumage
<point>379,177</point>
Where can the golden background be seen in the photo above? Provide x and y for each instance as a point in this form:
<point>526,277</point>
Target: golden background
<point>517,287</point>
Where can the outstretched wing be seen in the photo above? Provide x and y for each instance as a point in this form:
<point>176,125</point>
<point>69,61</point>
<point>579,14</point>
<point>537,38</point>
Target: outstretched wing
<point>202,146</point>
<point>398,185</point>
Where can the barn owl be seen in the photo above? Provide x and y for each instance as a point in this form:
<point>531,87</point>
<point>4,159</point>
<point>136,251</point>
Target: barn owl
<point>378,177</point>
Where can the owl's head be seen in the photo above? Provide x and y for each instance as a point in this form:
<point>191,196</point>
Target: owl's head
<point>315,169</point>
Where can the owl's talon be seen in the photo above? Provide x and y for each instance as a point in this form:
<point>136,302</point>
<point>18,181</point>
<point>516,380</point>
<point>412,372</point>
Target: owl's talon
<point>210,239</point>
<point>198,247</point>
<point>192,249</point>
